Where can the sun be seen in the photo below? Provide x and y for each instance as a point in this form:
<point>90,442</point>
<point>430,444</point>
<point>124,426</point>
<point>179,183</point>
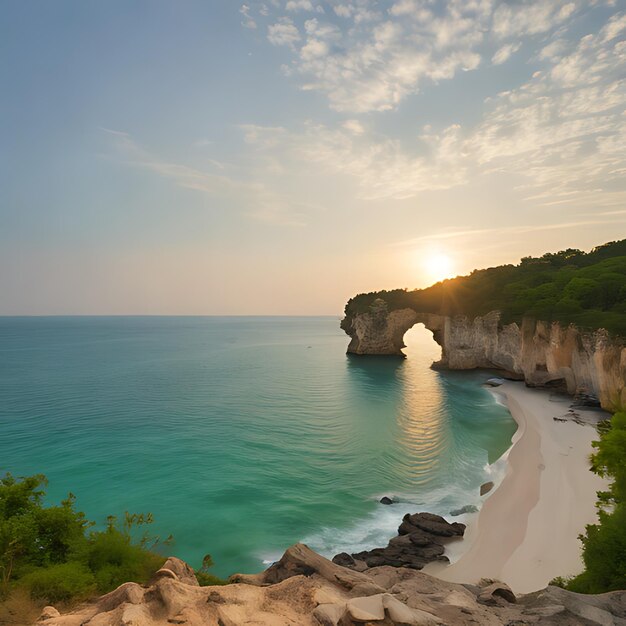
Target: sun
<point>438,266</point>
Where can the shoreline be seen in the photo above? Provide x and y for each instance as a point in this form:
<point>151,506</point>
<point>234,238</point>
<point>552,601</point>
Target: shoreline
<point>526,532</point>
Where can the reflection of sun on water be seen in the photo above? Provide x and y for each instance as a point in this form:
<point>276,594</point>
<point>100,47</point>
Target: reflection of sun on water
<point>421,420</point>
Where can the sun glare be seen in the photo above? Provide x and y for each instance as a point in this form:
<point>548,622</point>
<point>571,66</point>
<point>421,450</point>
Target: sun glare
<point>438,267</point>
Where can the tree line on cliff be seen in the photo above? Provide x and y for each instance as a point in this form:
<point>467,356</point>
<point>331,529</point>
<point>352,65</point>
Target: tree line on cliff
<point>570,286</point>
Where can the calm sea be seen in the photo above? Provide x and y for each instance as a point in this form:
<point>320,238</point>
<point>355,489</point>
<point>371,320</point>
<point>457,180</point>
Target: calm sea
<point>242,435</point>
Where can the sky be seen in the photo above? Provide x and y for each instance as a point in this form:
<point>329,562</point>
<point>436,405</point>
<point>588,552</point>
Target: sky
<point>214,157</point>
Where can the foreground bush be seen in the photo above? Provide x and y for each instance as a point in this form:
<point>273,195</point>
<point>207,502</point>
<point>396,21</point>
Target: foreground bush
<point>60,583</point>
<point>51,551</point>
<point>604,544</point>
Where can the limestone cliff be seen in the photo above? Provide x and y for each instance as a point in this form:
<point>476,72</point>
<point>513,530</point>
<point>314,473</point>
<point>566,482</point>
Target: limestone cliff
<point>543,354</point>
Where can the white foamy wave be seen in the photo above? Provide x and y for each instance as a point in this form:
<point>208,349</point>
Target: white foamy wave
<point>270,557</point>
<point>498,396</point>
<point>377,528</point>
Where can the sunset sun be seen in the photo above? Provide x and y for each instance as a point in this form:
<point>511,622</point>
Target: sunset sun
<point>438,266</point>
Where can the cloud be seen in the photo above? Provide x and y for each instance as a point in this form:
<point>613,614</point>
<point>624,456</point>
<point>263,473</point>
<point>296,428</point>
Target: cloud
<point>248,21</point>
<point>354,126</point>
<point>256,199</point>
<point>560,134</point>
<point>530,17</point>
<point>474,233</point>
<point>303,5</point>
<point>368,57</point>
<point>504,53</point>
<point>283,33</point>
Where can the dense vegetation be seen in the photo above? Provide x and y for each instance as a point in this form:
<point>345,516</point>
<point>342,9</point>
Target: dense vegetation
<point>53,553</point>
<point>571,286</point>
<point>604,544</point>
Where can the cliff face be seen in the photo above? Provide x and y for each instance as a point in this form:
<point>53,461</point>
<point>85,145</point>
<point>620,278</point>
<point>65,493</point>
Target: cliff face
<point>541,353</point>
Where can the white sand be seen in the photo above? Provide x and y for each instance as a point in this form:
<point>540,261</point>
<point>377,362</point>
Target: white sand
<point>527,530</point>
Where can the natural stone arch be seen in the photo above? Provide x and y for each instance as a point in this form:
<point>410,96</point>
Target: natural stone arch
<point>380,331</point>
<point>419,339</point>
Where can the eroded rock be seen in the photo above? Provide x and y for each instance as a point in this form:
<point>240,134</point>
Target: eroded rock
<point>331,595</point>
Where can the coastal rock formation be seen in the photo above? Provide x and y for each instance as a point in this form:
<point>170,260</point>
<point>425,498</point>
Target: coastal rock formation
<point>592,364</point>
<point>381,331</point>
<point>305,589</point>
<point>421,539</point>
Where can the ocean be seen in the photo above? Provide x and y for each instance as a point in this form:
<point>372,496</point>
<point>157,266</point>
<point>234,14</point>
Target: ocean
<point>242,435</point>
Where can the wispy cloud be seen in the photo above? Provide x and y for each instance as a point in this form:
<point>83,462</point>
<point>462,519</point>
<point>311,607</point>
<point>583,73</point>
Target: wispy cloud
<point>471,234</point>
<point>255,198</point>
<point>505,52</point>
<point>368,56</point>
<point>562,133</point>
<point>182,175</point>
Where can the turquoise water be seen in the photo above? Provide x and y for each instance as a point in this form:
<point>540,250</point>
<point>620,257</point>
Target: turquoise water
<point>242,435</point>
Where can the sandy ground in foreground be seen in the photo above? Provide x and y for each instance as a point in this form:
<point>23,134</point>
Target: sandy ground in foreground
<point>527,530</point>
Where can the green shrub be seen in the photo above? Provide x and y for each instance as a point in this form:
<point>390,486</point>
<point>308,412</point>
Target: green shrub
<point>47,551</point>
<point>208,580</point>
<point>560,581</point>
<point>60,583</point>
<point>604,544</point>
<point>114,560</point>
<point>204,577</point>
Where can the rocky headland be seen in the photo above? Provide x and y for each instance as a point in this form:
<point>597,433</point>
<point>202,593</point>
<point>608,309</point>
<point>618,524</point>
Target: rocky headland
<point>589,364</point>
<point>305,589</point>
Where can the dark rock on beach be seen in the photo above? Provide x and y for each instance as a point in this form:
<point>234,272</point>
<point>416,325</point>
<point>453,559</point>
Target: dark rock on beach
<point>421,539</point>
<point>433,524</point>
<point>468,508</point>
<point>344,559</point>
<point>486,488</point>
<point>586,400</point>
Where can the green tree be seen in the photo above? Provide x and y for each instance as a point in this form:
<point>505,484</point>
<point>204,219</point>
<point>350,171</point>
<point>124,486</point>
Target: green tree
<point>604,544</point>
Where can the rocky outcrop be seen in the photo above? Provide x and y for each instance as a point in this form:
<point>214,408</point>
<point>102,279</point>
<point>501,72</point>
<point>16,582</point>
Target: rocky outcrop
<point>305,589</point>
<point>543,354</point>
<point>380,331</point>
<point>421,539</point>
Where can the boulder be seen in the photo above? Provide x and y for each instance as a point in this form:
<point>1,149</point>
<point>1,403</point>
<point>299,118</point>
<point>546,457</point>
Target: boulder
<point>495,592</point>
<point>386,500</point>
<point>486,488</point>
<point>344,559</point>
<point>329,614</point>
<point>494,382</point>
<point>128,593</point>
<point>420,541</point>
<point>184,573</point>
<point>468,508</point>
<point>48,612</point>
<point>435,524</point>
<point>400,613</point>
<point>368,609</point>
<point>300,560</point>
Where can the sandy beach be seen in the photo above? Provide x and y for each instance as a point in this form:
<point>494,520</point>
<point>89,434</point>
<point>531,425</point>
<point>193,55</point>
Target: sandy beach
<point>527,530</point>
